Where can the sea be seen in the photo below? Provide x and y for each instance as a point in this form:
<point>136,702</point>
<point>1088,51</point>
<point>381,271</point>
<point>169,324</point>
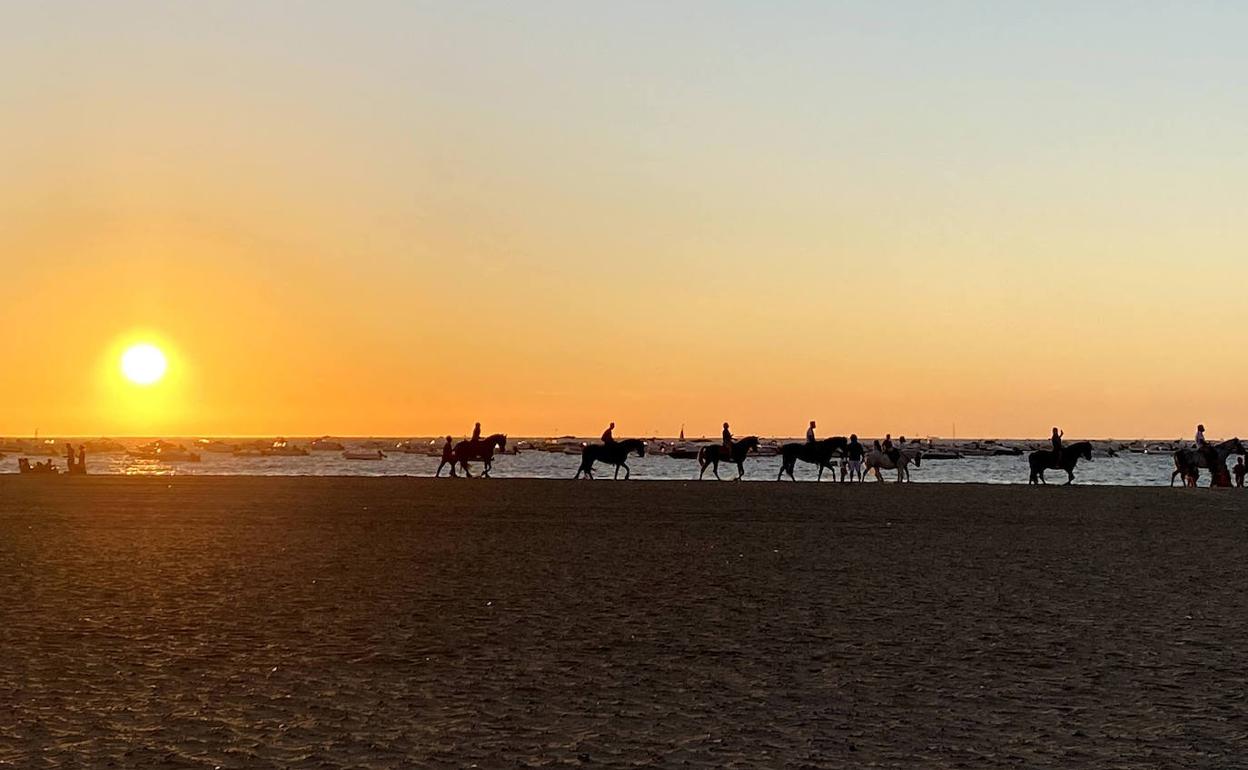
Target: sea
<point>1123,468</point>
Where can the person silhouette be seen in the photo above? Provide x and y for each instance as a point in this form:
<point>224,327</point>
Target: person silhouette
<point>727,436</point>
<point>607,438</point>
<point>1200,436</point>
<point>854,453</point>
<point>810,433</point>
<point>82,458</point>
<point>476,433</point>
<point>448,457</point>
<point>1056,441</point>
<point>889,451</point>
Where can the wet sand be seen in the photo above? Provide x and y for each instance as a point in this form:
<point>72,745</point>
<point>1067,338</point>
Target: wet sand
<point>376,623</point>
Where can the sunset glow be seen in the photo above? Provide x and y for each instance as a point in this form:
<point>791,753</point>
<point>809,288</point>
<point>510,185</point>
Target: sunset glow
<point>547,219</point>
<point>143,364</point>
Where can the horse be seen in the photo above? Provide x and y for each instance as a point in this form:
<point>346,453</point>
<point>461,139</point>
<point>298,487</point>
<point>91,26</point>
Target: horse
<point>1042,459</point>
<point>817,453</point>
<point>616,453</point>
<point>481,449</point>
<point>878,458</point>
<point>1188,461</point>
<point>712,454</point>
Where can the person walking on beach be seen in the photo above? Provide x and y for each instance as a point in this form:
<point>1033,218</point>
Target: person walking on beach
<point>1240,470</point>
<point>448,457</point>
<point>607,438</point>
<point>854,451</point>
<point>1056,440</point>
<point>1200,436</point>
<point>810,433</point>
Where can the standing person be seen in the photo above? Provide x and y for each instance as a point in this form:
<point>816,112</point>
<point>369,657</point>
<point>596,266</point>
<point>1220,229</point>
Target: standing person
<point>476,433</point>
<point>607,438</point>
<point>69,457</point>
<point>82,458</point>
<point>854,451</point>
<point>727,436</point>
<point>810,433</point>
<point>1200,436</point>
<point>448,457</point>
<point>1240,470</point>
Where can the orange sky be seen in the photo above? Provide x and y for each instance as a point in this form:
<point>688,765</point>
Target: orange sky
<point>400,222</point>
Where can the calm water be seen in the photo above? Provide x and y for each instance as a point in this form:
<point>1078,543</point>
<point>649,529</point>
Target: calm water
<point>1126,468</point>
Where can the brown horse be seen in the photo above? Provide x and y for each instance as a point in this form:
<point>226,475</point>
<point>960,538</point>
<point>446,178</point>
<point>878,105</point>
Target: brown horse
<point>481,449</point>
<point>713,454</point>
<point>615,453</point>
<point>817,453</point>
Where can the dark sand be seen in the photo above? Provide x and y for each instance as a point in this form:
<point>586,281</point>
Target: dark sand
<point>334,623</point>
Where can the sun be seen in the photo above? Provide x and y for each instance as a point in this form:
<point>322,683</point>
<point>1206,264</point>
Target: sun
<point>143,364</point>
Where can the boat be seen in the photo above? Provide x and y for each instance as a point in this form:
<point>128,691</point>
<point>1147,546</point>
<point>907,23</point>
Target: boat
<point>103,446</point>
<point>283,448</point>
<point>684,452</point>
<point>325,444</point>
<point>215,447</point>
<point>363,454</point>
<point>164,451</point>
<point>417,448</point>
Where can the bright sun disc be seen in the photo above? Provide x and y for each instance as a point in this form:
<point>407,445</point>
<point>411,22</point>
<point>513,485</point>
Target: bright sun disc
<point>143,364</point>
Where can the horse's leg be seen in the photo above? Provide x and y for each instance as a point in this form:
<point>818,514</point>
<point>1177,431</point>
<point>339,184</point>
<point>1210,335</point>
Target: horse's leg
<point>627,471</point>
<point>703,473</point>
<point>740,470</point>
<point>820,476</point>
<point>617,473</point>
<point>1070,473</point>
<point>715,469</point>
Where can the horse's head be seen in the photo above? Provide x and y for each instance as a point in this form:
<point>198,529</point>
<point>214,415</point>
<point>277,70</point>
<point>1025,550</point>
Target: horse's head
<point>750,443</point>
<point>1086,451</point>
<point>499,440</point>
<point>1237,448</point>
<point>918,457</point>
<point>641,449</point>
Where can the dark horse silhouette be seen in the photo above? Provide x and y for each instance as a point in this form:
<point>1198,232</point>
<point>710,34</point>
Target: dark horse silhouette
<point>1187,462</point>
<point>819,453</point>
<point>482,449</point>
<point>615,453</point>
<point>712,455</point>
<point>1042,459</point>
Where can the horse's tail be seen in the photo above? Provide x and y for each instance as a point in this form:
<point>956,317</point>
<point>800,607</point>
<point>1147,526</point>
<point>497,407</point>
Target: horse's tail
<point>702,455</point>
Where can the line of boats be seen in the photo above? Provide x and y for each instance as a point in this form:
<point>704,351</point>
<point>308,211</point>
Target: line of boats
<point>380,449</point>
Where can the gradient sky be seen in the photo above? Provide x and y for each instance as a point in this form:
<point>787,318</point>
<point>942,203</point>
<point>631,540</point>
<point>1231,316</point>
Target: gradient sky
<point>397,218</point>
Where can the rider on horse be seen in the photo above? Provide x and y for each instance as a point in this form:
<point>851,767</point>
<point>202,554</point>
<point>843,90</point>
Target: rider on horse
<point>476,433</point>
<point>1057,447</point>
<point>607,438</point>
<point>810,433</point>
<point>727,441</point>
<point>892,453</point>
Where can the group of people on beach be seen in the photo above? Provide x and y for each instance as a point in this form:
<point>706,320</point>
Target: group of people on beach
<point>75,463</point>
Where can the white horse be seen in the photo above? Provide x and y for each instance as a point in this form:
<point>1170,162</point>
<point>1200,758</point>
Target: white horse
<point>876,459</point>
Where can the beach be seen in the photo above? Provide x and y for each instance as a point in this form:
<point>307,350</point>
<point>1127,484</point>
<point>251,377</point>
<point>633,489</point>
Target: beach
<point>229,622</point>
